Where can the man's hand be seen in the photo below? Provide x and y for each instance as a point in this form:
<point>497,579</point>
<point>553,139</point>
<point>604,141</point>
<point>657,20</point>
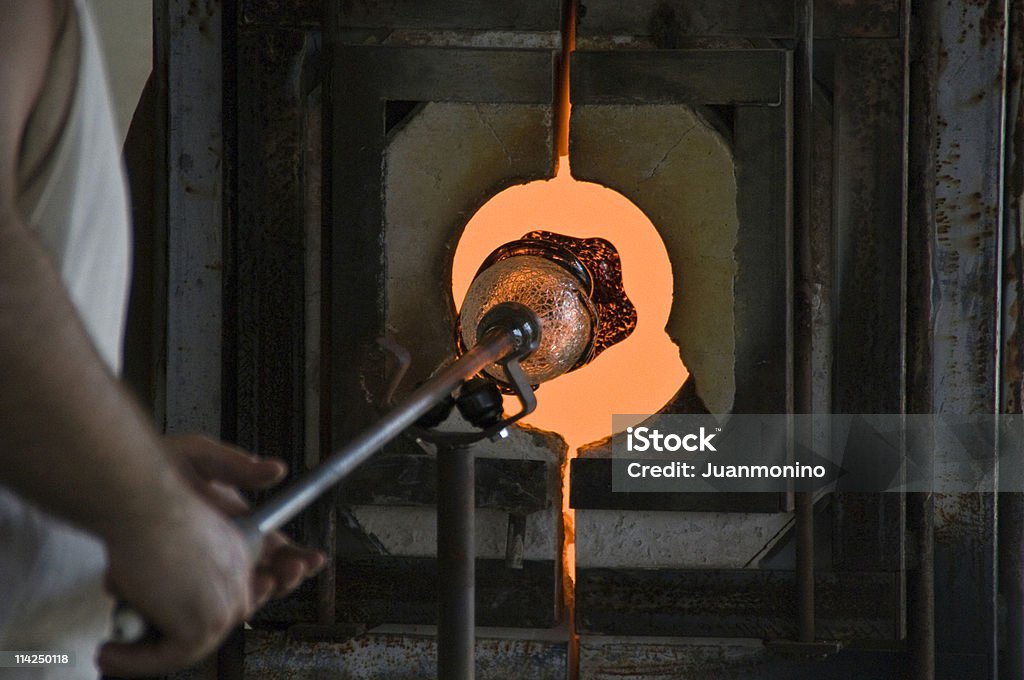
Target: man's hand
<point>217,471</point>
<point>222,583</point>
<point>187,570</point>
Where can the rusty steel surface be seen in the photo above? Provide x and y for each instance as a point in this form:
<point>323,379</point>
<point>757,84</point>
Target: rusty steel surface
<point>524,15</point>
<point>869,229</point>
<point>1011,506</point>
<point>969,39</point>
<point>410,480</point>
<point>360,247</point>
<point>1013,232</point>
<point>637,658</point>
<point>283,13</point>
<point>803,261</point>
<point>395,656</point>
<point>723,77</point>
<point>756,603</point>
<point>968,194</point>
<point>396,589</point>
<point>868,275</point>
<point>608,24</point>
<point>195,214</point>
<point>920,209</point>
<point>268,244</point>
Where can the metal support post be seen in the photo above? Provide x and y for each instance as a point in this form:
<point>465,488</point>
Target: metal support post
<point>456,554</point>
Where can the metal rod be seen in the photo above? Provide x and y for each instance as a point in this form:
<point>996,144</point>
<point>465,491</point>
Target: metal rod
<point>496,344</point>
<point>805,564</point>
<point>272,515</point>
<point>921,506</point>
<point>921,69</point>
<point>803,342</point>
<point>921,631</point>
<point>456,552</point>
<point>327,580</point>
<point>1011,577</point>
<point>1010,509</point>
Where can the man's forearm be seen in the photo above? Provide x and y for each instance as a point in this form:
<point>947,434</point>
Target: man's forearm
<point>71,439</point>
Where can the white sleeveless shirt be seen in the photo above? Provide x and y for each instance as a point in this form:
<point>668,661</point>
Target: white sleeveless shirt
<point>51,575</point>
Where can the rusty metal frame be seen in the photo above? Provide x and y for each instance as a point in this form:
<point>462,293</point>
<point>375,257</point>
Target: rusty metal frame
<point>871,525</point>
<point>610,24</point>
<point>363,80</point>
<point>195,212</point>
<point>735,603</point>
<point>1011,505</point>
<point>760,98</point>
<point>401,652</point>
<point>968,150</point>
<point>189,68</point>
<point>960,372</point>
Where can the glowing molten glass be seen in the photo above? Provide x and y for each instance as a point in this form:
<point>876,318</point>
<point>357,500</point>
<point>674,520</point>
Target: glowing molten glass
<point>573,285</point>
<point>567,316</point>
<point>638,375</point>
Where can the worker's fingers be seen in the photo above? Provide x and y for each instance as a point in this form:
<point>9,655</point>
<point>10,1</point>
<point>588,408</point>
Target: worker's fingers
<point>272,542</point>
<point>223,497</point>
<point>288,573</point>
<point>214,460</point>
<point>288,564</point>
<point>279,547</point>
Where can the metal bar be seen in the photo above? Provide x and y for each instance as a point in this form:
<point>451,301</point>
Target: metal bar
<point>805,564</point>
<point>129,626</point>
<point>195,217</point>
<point>399,652</point>
<point>763,293</point>
<point>1011,505</point>
<point>803,369</point>
<point>966,299</point>
<point>403,589</point>
<point>456,553</point>
<point>517,486</point>
<point>917,388</point>
<point>300,494</point>
<point>327,581</point>
<point>617,25</point>
<point>458,74</point>
<point>525,15</point>
<point>661,659</point>
<point>727,77</point>
<point>921,629</point>
<point>921,164</point>
<point>730,603</point>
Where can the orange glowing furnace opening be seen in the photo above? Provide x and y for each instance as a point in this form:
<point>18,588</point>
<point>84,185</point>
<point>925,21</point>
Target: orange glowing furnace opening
<point>637,376</point>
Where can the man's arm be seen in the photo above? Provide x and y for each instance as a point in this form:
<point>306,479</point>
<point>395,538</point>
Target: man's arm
<point>73,442</point>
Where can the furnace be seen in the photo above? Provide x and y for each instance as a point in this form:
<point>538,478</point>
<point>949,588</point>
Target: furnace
<point>823,197</point>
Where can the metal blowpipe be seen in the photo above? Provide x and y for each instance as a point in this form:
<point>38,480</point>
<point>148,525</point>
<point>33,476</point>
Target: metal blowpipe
<point>506,334</point>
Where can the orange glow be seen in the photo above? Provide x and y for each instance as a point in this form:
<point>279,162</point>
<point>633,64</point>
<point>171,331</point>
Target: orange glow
<point>640,374</point>
<point>637,376</point>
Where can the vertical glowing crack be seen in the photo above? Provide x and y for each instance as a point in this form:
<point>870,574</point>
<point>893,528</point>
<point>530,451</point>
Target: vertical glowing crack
<point>568,515</point>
